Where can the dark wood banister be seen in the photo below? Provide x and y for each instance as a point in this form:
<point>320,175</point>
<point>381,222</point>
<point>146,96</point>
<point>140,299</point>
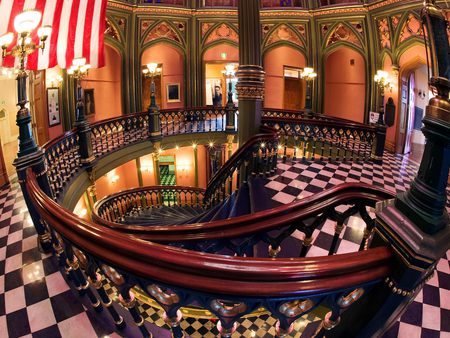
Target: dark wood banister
<point>248,224</point>
<point>218,274</point>
<point>268,134</point>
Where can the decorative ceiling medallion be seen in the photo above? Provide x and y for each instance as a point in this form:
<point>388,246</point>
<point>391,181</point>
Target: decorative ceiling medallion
<point>284,33</point>
<point>222,32</point>
<point>162,30</point>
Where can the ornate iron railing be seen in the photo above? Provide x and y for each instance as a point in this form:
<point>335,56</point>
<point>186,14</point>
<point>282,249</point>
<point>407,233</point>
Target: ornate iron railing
<point>229,287</point>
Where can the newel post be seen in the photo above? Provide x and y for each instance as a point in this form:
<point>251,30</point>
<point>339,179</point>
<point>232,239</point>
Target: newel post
<point>78,71</point>
<point>416,224</point>
<point>378,145</point>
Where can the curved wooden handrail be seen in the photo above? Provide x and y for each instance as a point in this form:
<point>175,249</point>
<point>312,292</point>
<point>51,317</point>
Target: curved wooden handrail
<point>256,222</point>
<point>338,123</point>
<point>218,274</point>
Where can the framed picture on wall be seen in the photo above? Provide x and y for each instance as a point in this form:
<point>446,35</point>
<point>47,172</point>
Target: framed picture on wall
<point>89,102</point>
<point>173,92</point>
<point>53,106</point>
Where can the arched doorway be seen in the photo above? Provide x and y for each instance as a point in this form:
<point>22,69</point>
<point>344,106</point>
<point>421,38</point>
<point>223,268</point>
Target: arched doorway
<point>345,84</point>
<point>215,83</point>
<point>412,101</point>
<point>283,65</point>
<point>171,61</point>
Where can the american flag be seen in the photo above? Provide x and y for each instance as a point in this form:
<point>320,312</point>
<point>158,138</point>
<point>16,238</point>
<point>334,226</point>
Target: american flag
<point>77,31</point>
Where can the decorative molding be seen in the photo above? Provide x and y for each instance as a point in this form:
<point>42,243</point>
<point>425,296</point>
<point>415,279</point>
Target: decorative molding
<point>284,33</point>
<point>411,28</point>
<point>145,24</point>
<point>384,33</point>
<point>163,30</point>
<point>112,31</point>
<point>222,32</point>
<point>340,33</point>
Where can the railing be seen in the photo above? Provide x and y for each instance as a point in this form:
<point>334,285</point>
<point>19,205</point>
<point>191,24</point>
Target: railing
<point>229,287</point>
<point>127,202</point>
<point>119,132</point>
<point>62,160</point>
<point>257,156</point>
<point>257,235</point>
<point>194,120</point>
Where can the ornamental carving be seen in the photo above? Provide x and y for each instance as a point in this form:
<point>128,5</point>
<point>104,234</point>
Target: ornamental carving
<point>343,33</point>
<point>162,30</point>
<point>384,33</point>
<point>250,92</point>
<point>395,20</point>
<point>284,33</point>
<point>411,28</point>
<point>111,31</point>
<point>145,24</point>
<point>222,32</point>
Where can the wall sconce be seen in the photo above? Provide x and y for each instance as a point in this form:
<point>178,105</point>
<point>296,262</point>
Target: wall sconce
<point>146,167</point>
<point>54,81</point>
<point>183,169</point>
<point>112,177</point>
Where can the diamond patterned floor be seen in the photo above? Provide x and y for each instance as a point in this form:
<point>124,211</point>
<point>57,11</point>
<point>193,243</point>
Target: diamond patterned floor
<point>36,301</point>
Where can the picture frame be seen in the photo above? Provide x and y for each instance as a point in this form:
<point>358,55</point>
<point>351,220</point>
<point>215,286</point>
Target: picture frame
<point>89,102</point>
<point>173,92</point>
<point>53,106</point>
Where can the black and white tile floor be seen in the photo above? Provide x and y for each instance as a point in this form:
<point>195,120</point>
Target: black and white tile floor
<point>36,301</point>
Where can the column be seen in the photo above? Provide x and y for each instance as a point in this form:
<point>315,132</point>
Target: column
<point>250,87</point>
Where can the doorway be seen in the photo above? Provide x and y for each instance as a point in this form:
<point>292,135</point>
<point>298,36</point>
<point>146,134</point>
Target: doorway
<point>38,106</point>
<point>167,170</point>
<point>217,84</point>
<point>414,98</point>
<point>294,98</point>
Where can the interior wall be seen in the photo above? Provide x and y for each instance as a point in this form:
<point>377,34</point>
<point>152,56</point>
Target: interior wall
<point>172,70</point>
<point>345,85</point>
<point>274,62</point>
<point>9,132</point>
<point>106,82</point>
<point>127,179</point>
<point>222,52</point>
<point>50,81</point>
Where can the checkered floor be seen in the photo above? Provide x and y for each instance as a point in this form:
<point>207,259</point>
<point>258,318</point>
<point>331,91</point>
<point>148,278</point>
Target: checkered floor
<point>36,301</point>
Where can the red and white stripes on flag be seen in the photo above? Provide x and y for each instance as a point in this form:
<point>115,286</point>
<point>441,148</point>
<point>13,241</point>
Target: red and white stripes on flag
<point>78,28</point>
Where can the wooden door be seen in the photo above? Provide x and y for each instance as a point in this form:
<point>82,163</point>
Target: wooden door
<point>410,116</point>
<point>402,119</point>
<point>38,106</point>
<point>3,174</point>
<point>293,94</point>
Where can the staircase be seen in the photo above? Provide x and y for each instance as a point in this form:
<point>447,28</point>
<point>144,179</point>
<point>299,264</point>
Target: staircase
<point>250,198</point>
